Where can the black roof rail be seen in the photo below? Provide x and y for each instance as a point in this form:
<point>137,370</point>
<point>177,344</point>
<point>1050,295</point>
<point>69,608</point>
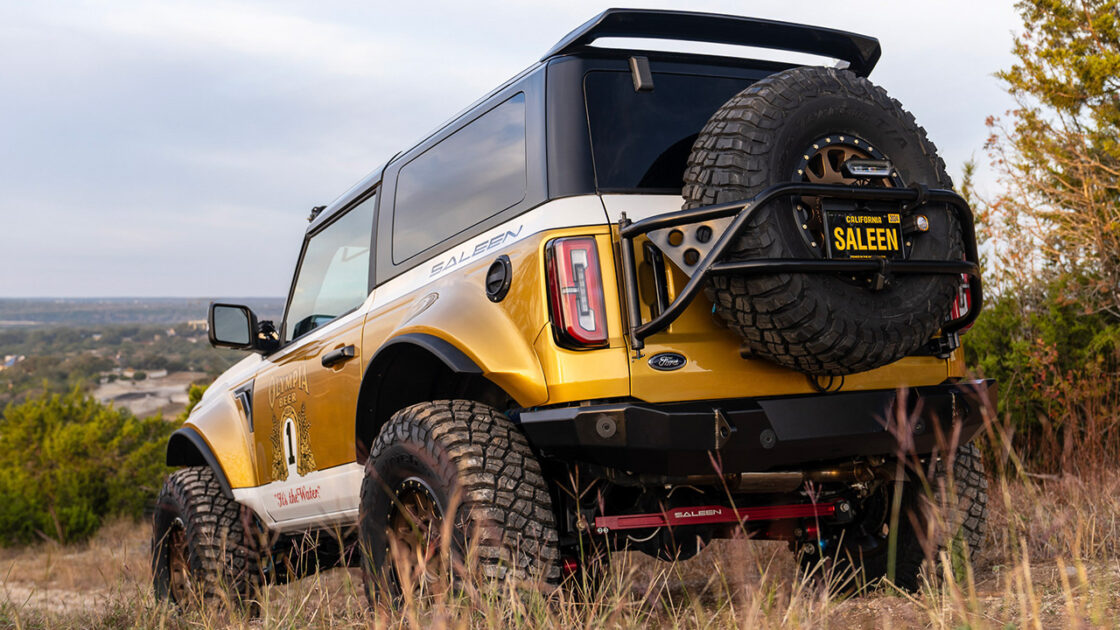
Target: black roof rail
<point>861,52</point>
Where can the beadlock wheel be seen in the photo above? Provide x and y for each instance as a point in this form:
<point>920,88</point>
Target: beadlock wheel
<point>179,569</point>
<point>454,484</point>
<point>414,539</point>
<point>822,162</point>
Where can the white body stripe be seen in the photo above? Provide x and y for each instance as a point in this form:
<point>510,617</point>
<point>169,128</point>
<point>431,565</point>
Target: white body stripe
<point>321,498</point>
<point>559,213</point>
<point>330,497</point>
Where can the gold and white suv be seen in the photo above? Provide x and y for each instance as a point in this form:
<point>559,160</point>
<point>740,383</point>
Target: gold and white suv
<point>629,299</point>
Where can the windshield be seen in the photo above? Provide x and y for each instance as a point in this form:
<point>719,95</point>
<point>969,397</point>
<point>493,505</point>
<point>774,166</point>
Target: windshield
<point>640,141</point>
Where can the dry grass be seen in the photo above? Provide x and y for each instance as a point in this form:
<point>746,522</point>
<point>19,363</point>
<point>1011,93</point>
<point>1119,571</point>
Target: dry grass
<point>1052,561</point>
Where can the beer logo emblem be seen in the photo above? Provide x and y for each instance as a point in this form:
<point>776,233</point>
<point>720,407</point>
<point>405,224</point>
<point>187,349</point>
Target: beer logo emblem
<point>291,432</point>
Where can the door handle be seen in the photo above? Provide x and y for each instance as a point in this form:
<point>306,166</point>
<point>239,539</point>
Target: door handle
<point>345,353</point>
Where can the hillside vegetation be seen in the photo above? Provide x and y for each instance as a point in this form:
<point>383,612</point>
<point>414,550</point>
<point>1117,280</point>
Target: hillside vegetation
<point>1050,334</point>
<point>57,359</point>
<point>68,463</point>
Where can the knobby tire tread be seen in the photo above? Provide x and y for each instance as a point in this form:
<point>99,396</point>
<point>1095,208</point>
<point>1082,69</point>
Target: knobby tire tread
<point>782,317</point>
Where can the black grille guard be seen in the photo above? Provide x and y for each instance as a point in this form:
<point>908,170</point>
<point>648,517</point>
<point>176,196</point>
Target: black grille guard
<point>714,264</point>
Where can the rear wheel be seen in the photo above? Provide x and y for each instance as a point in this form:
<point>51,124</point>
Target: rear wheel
<point>952,509</point>
<point>963,500</point>
<point>804,124</point>
<point>453,491</point>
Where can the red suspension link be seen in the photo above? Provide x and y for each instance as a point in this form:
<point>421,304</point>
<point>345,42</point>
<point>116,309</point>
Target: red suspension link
<point>708,514</point>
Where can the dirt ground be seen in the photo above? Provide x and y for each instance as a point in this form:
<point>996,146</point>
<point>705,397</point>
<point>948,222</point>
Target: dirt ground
<point>48,581</point>
<point>166,395</point>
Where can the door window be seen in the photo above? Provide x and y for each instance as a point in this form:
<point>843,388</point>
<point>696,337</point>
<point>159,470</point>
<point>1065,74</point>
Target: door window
<point>333,276</point>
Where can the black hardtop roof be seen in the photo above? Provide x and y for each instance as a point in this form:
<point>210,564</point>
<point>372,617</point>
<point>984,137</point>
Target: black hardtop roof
<point>861,52</point>
<point>345,199</point>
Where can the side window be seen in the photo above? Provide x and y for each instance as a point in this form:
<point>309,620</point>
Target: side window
<point>333,276</point>
<point>468,177</point>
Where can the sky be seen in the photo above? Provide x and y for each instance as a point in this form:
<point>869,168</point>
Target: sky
<point>176,148</point>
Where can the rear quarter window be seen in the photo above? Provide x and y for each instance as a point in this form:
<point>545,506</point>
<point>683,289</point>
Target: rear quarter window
<point>468,177</point>
<point>640,141</point>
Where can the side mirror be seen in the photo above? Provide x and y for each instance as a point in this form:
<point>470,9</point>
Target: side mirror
<point>235,326</point>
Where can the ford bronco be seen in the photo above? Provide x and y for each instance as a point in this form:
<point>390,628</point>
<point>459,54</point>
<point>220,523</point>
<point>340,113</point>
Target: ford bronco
<point>630,299</point>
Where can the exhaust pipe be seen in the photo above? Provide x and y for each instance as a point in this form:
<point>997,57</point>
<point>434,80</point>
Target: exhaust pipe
<point>764,482</point>
<point>790,481</point>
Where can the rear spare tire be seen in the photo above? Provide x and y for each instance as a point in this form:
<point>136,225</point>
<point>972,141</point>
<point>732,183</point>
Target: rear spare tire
<point>801,125</point>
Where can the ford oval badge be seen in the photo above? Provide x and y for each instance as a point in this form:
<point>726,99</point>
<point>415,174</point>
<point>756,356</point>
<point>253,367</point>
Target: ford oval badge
<point>667,361</point>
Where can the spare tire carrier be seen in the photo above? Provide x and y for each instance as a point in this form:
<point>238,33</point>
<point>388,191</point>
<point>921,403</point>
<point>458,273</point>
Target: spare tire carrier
<point>714,262</point>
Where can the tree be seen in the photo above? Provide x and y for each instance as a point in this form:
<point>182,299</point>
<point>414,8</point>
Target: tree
<point>1058,154</point>
<point>68,462</point>
<point>1050,330</point>
<point>194,396</point>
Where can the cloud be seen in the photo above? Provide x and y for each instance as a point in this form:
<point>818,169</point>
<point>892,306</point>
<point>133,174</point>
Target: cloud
<point>174,148</point>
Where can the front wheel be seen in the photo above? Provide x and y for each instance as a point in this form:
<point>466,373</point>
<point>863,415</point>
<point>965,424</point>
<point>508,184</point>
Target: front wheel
<point>203,547</point>
<point>452,485</point>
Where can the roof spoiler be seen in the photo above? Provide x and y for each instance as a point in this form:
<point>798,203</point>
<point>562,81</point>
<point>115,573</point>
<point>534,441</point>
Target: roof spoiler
<point>861,52</point>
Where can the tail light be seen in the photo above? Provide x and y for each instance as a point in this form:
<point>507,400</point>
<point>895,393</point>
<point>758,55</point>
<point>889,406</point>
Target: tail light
<point>575,288</point>
<point>962,303</point>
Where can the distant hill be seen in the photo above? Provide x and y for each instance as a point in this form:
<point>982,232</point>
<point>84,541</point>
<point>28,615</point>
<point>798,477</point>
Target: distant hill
<point>89,311</point>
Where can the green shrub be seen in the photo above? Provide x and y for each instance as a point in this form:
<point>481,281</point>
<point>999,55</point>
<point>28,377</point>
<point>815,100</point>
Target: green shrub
<point>194,396</point>
<point>68,462</point>
<point>1056,366</point>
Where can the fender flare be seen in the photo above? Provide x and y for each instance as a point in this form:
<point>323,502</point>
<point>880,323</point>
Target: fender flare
<point>451,356</point>
<point>366,422</point>
<point>179,453</point>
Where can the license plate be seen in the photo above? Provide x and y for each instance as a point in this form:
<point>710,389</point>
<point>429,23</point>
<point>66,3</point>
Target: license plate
<point>864,234</point>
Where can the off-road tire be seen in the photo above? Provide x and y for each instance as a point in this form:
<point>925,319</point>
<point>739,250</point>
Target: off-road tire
<point>593,570</point>
<point>961,507</point>
<point>467,451</point>
<point>964,504</point>
<point>221,548</point>
<point>818,323</point>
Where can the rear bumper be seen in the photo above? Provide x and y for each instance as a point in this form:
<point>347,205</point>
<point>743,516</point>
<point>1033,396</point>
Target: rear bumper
<point>760,434</point>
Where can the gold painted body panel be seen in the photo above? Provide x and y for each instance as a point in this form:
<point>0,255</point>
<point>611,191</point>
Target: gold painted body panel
<point>511,340</point>
<point>222,424</point>
<point>318,401</point>
<point>513,343</point>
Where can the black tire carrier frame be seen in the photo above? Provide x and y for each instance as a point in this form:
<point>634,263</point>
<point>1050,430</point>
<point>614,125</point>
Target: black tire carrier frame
<point>714,264</point>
